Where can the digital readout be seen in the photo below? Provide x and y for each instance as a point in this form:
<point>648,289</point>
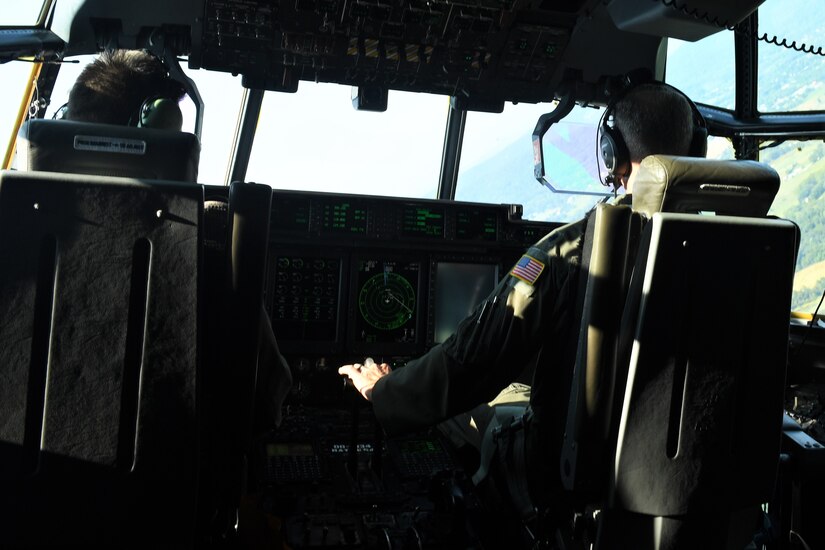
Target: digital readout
<point>529,235</point>
<point>290,214</point>
<point>476,225</point>
<point>422,222</point>
<point>345,217</point>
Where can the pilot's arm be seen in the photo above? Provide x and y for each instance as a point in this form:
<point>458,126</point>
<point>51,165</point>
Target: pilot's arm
<point>274,378</point>
<point>488,350</point>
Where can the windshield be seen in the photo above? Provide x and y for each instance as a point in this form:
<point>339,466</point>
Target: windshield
<point>315,140</point>
<point>16,14</point>
<point>497,161</point>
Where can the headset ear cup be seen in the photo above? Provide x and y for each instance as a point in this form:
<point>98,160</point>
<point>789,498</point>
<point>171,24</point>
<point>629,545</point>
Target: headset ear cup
<point>160,113</point>
<point>614,152</point>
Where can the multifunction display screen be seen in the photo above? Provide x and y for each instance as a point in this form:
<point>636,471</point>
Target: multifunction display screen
<point>290,214</point>
<point>481,225</point>
<point>422,221</point>
<point>348,217</point>
<point>386,301</point>
<point>459,288</point>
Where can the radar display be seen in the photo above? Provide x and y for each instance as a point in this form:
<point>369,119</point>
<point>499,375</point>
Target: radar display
<point>387,301</point>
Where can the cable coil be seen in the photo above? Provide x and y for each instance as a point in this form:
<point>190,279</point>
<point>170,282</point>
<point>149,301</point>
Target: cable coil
<point>715,20</point>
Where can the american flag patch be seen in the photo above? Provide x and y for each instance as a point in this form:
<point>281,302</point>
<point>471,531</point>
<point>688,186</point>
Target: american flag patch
<point>527,269</point>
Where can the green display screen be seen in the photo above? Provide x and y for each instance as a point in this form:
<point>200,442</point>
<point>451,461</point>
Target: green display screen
<point>345,217</point>
<point>418,221</point>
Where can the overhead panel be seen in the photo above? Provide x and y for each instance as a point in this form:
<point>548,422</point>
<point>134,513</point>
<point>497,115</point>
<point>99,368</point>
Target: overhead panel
<point>479,49</point>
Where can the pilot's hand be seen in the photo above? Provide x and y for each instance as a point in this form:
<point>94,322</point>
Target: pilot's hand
<point>365,376</point>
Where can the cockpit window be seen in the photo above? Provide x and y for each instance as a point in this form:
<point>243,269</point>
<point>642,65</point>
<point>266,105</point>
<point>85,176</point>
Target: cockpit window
<point>69,71</point>
<point>13,75</point>
<point>221,94</point>
<point>689,68</point>
<point>787,78</point>
<point>316,141</point>
<point>801,198</point>
<point>21,14</point>
<point>795,81</point>
<point>497,161</point>
<point>790,80</point>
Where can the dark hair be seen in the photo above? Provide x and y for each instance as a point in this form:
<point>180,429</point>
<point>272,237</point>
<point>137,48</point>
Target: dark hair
<point>112,88</point>
<point>654,120</point>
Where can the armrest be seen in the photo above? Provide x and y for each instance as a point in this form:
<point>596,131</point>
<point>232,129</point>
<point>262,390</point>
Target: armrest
<point>807,454</point>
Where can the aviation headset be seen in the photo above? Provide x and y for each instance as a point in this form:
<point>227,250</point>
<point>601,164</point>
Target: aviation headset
<point>159,112</point>
<point>614,151</point>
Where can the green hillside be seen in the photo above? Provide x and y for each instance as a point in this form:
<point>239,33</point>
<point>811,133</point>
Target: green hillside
<point>801,198</point>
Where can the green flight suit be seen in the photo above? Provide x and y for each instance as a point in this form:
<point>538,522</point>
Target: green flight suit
<point>490,349</point>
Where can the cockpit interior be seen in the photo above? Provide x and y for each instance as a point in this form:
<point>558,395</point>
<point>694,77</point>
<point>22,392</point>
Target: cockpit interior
<point>150,278</point>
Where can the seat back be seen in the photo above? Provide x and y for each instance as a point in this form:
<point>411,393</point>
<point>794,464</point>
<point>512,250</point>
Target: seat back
<point>107,150</point>
<point>248,224</point>
<point>242,365</point>
<point>595,436</point>
<point>668,183</point>
<point>611,241</point>
<point>698,441</point>
<point>99,324</point>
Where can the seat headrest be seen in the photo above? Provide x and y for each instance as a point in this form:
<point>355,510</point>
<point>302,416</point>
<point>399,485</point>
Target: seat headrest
<point>108,150</point>
<point>687,184</point>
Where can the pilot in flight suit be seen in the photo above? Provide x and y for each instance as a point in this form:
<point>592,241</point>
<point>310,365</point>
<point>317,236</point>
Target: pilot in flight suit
<point>526,321</point>
<point>530,308</point>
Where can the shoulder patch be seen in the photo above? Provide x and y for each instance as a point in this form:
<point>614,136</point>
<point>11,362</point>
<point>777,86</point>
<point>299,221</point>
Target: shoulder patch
<point>527,269</point>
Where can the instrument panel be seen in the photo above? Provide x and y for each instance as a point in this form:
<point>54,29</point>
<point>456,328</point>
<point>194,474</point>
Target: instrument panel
<point>352,276</point>
<point>302,216</point>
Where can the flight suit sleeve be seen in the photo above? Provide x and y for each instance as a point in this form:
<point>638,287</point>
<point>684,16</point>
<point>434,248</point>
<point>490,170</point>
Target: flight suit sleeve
<point>489,349</point>
<point>274,378</point>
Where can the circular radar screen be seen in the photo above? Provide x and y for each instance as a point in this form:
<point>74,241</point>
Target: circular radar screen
<point>386,301</point>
